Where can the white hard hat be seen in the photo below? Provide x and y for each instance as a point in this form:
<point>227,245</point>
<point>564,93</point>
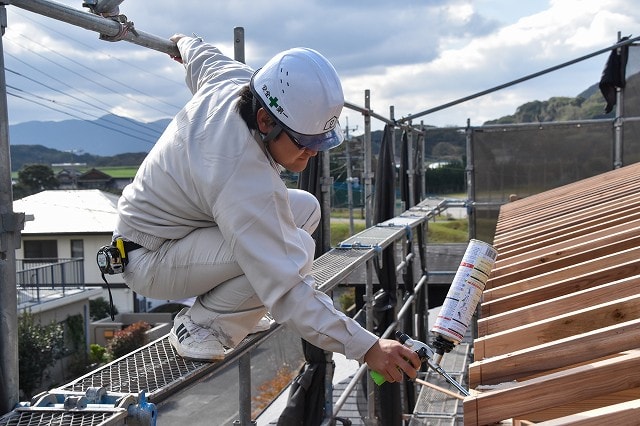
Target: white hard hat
<point>302,91</point>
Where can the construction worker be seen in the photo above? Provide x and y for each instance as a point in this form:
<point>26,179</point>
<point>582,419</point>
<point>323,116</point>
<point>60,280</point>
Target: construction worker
<point>208,215</point>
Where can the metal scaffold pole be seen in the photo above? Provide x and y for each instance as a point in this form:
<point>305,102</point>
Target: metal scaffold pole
<point>10,227</point>
<point>104,25</point>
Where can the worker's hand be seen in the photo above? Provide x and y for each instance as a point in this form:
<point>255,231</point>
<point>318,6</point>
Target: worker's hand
<point>174,38</point>
<point>391,358</point>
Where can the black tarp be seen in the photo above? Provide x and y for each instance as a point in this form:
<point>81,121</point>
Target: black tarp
<point>385,299</point>
<point>614,75</point>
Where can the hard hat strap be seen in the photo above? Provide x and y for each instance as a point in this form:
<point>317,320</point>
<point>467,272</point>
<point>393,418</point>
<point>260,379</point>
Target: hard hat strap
<point>273,133</point>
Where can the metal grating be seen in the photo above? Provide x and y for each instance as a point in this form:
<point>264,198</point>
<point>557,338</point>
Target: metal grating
<point>377,236</point>
<point>63,418</point>
<point>151,369</point>
<point>435,408</point>
<point>333,266</point>
<point>404,221</point>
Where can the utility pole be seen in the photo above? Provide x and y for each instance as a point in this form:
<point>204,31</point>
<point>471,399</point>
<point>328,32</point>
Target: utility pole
<point>349,177</point>
<point>10,226</point>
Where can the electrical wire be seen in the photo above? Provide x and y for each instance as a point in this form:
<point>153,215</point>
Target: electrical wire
<point>146,128</point>
<point>110,89</point>
<point>102,52</point>
<point>76,110</point>
<point>75,116</point>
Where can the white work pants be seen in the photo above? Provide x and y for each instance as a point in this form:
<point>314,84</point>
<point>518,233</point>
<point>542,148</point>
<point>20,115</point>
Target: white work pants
<point>201,264</point>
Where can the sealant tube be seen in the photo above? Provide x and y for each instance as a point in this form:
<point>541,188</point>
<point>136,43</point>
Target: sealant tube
<point>463,296</point>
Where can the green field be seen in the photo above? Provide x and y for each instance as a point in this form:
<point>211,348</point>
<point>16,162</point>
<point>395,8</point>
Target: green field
<point>439,231</point>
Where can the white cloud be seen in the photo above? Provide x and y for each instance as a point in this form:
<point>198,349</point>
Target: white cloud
<point>413,56</point>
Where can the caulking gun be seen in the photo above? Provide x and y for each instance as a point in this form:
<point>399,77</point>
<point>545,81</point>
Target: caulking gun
<point>457,311</point>
<point>426,354</point>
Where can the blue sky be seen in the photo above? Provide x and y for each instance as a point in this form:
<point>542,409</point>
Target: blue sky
<point>413,55</point>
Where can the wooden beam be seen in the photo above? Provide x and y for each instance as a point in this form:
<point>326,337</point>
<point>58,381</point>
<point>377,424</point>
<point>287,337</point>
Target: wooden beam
<point>559,249</point>
<point>626,413</point>
<point>555,389</point>
<point>575,407</point>
<point>577,230</point>
<point>559,327</point>
<point>563,273</point>
<point>533,207</point>
<point>558,305</point>
<point>572,350</point>
<point>595,212</point>
<point>597,247</point>
<point>560,288</point>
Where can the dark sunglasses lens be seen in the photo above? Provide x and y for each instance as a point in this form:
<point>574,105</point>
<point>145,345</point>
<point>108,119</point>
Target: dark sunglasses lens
<point>295,141</point>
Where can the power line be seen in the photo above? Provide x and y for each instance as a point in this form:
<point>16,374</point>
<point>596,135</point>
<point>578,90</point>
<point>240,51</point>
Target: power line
<point>75,116</point>
<point>155,134</point>
<point>77,110</point>
<point>110,89</point>
<point>131,64</point>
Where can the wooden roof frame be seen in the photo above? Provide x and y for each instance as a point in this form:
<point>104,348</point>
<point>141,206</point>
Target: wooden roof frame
<point>559,329</point>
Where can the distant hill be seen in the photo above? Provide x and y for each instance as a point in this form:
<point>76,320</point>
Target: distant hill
<point>106,136</point>
<point>586,106</point>
<point>22,155</point>
<point>119,141</point>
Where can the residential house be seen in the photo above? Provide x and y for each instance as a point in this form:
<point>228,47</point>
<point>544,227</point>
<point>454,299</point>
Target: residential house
<point>57,273</point>
<point>71,177</point>
<point>69,225</point>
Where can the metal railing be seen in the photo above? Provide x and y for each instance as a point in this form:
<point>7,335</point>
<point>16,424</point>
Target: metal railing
<point>43,278</point>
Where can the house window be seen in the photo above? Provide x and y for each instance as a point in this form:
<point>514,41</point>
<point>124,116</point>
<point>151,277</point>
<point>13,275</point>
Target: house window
<point>77,248</point>
<point>40,249</point>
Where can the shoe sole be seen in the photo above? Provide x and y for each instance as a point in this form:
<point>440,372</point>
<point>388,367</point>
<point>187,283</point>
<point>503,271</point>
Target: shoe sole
<point>173,339</point>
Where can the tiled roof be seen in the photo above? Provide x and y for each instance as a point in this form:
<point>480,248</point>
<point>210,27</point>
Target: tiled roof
<point>68,212</point>
<point>559,330</point>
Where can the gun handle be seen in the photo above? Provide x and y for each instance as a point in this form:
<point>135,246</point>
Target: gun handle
<point>378,378</point>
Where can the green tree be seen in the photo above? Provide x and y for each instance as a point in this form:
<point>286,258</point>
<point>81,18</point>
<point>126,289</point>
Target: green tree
<point>99,309</point>
<point>39,347</point>
<point>33,179</point>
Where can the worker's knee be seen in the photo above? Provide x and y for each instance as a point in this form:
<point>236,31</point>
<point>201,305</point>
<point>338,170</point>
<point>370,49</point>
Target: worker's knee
<point>305,208</point>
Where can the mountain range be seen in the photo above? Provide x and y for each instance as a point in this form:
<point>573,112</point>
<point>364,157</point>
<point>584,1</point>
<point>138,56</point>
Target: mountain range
<point>127,140</point>
<point>107,136</point>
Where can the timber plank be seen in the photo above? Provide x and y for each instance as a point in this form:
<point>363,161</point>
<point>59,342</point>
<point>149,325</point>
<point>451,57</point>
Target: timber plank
<point>625,413</point>
<point>535,216</point>
<point>558,327</point>
<point>559,305</point>
<point>570,285</point>
<point>534,240</point>
<point>560,274</point>
<point>575,384</point>
<point>596,248</point>
<point>574,349</point>
<point>607,179</point>
<point>575,407</point>
<point>549,198</point>
<point>563,248</point>
<point>545,240</point>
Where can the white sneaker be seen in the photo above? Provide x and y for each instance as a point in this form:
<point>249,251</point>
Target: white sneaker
<point>264,324</point>
<point>193,341</point>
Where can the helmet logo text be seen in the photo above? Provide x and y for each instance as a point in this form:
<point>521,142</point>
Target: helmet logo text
<point>273,101</point>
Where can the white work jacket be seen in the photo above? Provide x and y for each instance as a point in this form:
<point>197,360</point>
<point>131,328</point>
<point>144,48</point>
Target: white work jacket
<point>208,169</point>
